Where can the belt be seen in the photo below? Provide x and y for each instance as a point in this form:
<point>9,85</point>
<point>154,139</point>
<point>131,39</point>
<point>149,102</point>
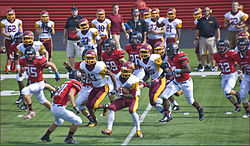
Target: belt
<point>57,105</point>
<point>184,81</point>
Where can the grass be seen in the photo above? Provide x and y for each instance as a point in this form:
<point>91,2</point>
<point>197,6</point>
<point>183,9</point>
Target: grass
<point>217,128</point>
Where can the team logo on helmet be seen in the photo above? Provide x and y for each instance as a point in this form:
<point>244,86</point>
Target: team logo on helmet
<point>28,37</point>
<point>127,69</point>
<point>11,15</point>
<point>100,14</point>
<point>44,15</point>
<point>171,13</point>
<point>84,24</point>
<point>90,57</point>
<point>145,51</point>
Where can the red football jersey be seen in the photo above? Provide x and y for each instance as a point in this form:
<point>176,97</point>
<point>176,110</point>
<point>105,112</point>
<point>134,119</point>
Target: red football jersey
<point>13,47</point>
<point>85,81</point>
<point>61,96</point>
<point>34,69</point>
<point>244,62</point>
<point>112,60</point>
<point>225,62</point>
<point>133,54</point>
<point>178,61</point>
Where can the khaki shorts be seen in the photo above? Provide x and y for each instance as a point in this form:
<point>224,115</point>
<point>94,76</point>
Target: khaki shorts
<point>232,38</point>
<point>207,44</point>
<point>117,40</point>
<point>72,49</point>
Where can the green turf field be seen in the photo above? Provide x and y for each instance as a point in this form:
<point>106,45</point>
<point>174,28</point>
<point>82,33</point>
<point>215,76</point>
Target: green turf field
<point>217,128</point>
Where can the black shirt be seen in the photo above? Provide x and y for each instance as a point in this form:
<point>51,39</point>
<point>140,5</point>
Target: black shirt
<point>71,24</point>
<point>207,27</point>
<point>139,25</point>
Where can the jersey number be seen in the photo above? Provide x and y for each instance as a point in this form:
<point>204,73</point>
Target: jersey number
<point>11,28</point>
<point>85,79</point>
<point>91,77</point>
<point>153,26</point>
<point>224,67</point>
<point>111,65</point>
<point>101,28</point>
<point>31,71</point>
<point>85,40</point>
<point>134,58</point>
<point>168,28</point>
<point>59,92</point>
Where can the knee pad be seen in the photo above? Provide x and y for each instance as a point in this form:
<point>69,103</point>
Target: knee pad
<point>190,100</point>
<point>81,107</point>
<point>158,101</point>
<point>59,122</point>
<point>25,91</point>
<point>77,120</point>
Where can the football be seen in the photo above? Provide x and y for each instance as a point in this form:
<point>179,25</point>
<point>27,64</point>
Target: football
<point>124,90</point>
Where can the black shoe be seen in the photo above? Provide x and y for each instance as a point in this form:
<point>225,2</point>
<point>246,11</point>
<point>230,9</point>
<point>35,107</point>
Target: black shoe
<point>207,68</point>
<point>70,141</point>
<point>46,139</point>
<point>201,114</point>
<point>23,106</point>
<point>238,98</point>
<point>199,67</point>
<point>237,109</point>
<point>175,108</point>
<point>19,100</point>
<point>166,118</point>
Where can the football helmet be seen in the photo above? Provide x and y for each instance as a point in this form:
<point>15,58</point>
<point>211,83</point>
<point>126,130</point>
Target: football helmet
<point>44,15</point>
<point>172,49</point>
<point>75,75</point>
<point>127,69</point>
<point>222,45</point>
<point>18,37</point>
<point>10,15</point>
<point>90,57</point>
<point>30,54</point>
<point>109,45</point>
<point>243,35</point>
<point>243,44</point>
<point>171,13</point>
<point>155,13</point>
<point>197,13</point>
<point>147,13</point>
<point>28,37</point>
<point>100,14</point>
<point>145,51</point>
<point>159,48</point>
<point>84,24</point>
<point>136,37</point>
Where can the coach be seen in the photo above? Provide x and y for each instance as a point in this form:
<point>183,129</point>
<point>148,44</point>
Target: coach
<point>205,32</point>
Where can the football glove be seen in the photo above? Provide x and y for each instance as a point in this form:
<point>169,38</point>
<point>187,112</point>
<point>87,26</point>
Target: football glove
<point>57,76</point>
<point>76,109</point>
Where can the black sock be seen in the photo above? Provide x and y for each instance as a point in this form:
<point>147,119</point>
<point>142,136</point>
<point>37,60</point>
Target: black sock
<point>70,134</point>
<point>30,107</point>
<point>47,133</point>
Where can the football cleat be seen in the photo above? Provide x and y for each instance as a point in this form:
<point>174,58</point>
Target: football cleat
<point>214,69</point>
<point>139,133</point>
<point>30,115</point>
<point>201,114</point>
<point>176,108</point>
<point>46,139</point>
<point>91,124</point>
<point>106,109</point>
<point>237,109</point>
<point>19,100</point>
<point>50,70</point>
<point>238,98</point>
<point>22,107</point>
<point>207,68</point>
<point>107,132</point>
<point>201,69</point>
<point>70,141</point>
<point>166,118</point>
<point>245,115</point>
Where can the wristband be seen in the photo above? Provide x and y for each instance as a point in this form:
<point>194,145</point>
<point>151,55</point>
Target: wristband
<point>57,75</point>
<point>177,70</point>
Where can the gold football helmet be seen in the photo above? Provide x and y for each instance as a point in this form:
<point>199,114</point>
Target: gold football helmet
<point>84,24</point>
<point>197,13</point>
<point>127,69</point>
<point>171,13</point>
<point>145,51</point>
<point>159,48</point>
<point>44,15</point>
<point>155,13</point>
<point>100,14</point>
<point>90,57</point>
<point>147,13</point>
<point>28,37</point>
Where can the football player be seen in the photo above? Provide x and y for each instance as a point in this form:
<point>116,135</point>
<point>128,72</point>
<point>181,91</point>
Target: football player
<point>33,66</point>
<point>89,37</point>
<point>126,79</point>
<point>172,27</point>
<point>113,57</point>
<point>13,48</point>
<point>154,68</point>
<point>180,67</point>
<point>66,93</point>
<point>45,30</point>
<point>155,34</point>
<point>103,26</point>
<point>96,71</point>
<point>224,59</point>
<point>147,13</point>
<point>9,27</point>
<point>243,59</point>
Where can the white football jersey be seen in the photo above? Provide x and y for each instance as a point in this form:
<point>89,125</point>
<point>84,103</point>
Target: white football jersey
<point>11,28</point>
<point>131,83</point>
<point>90,38</point>
<point>97,75</point>
<point>37,45</point>
<point>153,66</point>
<point>239,17</point>
<point>171,27</point>
<point>152,25</point>
<point>44,34</point>
<point>102,27</point>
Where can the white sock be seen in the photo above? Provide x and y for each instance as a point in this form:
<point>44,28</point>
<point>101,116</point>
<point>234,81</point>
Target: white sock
<point>111,118</point>
<point>17,66</point>
<point>8,67</point>
<point>135,118</point>
<point>174,103</point>
<point>208,64</point>
<point>159,108</point>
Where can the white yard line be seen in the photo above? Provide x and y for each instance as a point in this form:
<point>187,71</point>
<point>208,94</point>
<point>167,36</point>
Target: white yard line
<point>127,140</point>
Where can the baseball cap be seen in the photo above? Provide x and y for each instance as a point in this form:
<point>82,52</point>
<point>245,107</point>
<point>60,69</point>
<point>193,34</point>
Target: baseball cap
<point>74,8</point>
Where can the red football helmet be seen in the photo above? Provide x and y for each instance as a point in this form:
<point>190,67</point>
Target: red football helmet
<point>127,69</point>
<point>159,48</point>
<point>100,14</point>
<point>147,13</point>
<point>171,13</point>
<point>155,13</point>
<point>11,15</point>
<point>28,37</point>
<point>145,51</point>
<point>197,13</point>
<point>90,57</point>
<point>84,24</point>
<point>44,15</point>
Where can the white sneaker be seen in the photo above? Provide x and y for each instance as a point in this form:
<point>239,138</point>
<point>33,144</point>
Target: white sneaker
<point>214,68</point>
<point>201,69</point>
<point>30,115</point>
<point>50,70</point>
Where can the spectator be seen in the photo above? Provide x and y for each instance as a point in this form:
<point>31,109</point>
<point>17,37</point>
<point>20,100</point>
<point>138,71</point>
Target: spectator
<point>234,22</point>
<point>137,24</point>
<point>116,25</point>
<point>205,32</point>
<point>70,30</point>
